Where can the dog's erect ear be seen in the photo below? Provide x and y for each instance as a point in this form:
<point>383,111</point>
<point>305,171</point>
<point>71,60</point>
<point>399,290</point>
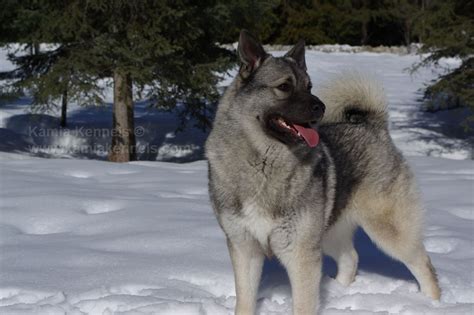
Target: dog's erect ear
<point>297,54</point>
<point>251,53</point>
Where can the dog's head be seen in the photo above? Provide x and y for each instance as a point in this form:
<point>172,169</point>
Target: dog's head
<point>276,93</point>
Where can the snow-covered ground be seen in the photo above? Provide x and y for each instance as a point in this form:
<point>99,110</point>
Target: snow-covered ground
<point>82,236</point>
<point>140,238</point>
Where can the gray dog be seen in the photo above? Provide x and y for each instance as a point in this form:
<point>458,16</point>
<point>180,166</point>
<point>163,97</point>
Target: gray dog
<point>280,187</point>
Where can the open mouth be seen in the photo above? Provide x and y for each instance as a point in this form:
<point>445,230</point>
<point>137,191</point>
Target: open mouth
<point>286,130</point>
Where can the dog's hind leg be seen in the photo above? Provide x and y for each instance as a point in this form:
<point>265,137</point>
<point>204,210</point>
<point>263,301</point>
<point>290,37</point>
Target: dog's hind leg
<point>338,243</point>
<point>396,229</point>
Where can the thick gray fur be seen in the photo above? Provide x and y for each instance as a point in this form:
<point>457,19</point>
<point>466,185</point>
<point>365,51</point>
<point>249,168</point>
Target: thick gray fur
<point>273,197</point>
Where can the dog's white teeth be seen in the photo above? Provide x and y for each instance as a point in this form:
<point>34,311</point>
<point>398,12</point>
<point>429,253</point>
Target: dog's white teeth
<point>283,123</point>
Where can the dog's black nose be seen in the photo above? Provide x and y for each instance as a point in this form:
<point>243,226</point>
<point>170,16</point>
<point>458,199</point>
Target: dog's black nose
<point>318,107</point>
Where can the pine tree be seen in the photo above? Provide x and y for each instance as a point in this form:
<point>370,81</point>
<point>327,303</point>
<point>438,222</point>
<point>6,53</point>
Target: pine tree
<point>8,13</point>
<point>448,31</point>
<point>51,80</point>
<point>48,75</point>
<point>408,14</point>
<point>258,16</point>
<point>168,46</point>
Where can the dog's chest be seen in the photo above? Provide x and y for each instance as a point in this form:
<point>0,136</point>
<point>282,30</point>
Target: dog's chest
<point>257,221</point>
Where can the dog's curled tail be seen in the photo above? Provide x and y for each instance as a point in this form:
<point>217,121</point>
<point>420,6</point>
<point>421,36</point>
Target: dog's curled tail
<point>353,97</point>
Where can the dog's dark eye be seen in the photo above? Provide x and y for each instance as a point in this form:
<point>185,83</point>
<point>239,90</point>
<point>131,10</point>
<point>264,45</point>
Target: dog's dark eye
<point>284,87</point>
<point>309,87</point>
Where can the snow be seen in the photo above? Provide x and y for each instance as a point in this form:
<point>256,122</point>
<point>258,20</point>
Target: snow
<point>102,238</point>
<point>81,236</point>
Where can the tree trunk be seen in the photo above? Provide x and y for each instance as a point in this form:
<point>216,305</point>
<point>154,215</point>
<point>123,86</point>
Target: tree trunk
<point>123,135</point>
<point>421,37</point>
<point>407,34</point>
<point>63,121</point>
<point>364,32</point>
<point>34,48</point>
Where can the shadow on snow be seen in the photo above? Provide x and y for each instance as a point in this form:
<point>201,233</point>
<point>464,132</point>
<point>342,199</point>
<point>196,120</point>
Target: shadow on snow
<point>371,260</point>
<point>88,134</point>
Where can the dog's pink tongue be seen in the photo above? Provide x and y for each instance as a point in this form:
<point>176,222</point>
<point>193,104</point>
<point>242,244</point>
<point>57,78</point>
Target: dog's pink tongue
<point>310,135</point>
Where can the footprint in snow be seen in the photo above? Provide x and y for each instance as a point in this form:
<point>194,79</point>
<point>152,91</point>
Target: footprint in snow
<point>79,174</point>
<point>463,213</point>
<point>98,207</point>
<point>441,245</point>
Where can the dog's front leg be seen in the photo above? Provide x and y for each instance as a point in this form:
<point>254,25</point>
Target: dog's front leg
<point>247,260</point>
<point>303,265</point>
